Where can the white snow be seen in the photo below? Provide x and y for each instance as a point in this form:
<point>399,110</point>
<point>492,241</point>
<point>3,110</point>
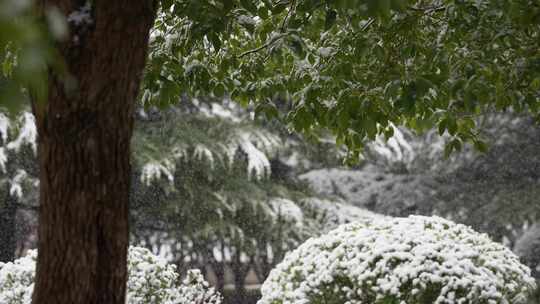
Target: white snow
<point>328,214</point>
<point>256,145</point>
<point>202,152</point>
<point>396,149</point>
<point>81,16</point>
<point>243,19</point>
<point>154,170</point>
<point>3,159</point>
<point>225,111</point>
<point>4,127</point>
<point>402,259</point>
<point>258,164</point>
<point>326,51</point>
<point>287,210</point>
<point>16,187</point>
<point>27,133</point>
<point>150,280</point>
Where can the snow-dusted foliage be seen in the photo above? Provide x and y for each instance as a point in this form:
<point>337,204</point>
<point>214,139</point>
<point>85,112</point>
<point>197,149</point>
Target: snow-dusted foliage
<point>414,260</point>
<point>17,280</point>
<point>15,136</point>
<point>27,133</point>
<point>527,247</point>
<point>4,126</point>
<point>324,215</point>
<point>150,280</point>
<point>287,210</point>
<point>374,188</point>
<point>255,145</point>
<point>155,170</point>
<point>214,137</point>
<point>395,149</point>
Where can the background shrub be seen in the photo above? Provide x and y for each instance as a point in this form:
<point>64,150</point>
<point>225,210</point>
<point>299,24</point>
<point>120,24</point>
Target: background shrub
<point>150,280</point>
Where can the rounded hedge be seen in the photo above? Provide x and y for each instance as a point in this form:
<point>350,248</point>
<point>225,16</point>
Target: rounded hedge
<point>150,280</point>
<point>414,260</point>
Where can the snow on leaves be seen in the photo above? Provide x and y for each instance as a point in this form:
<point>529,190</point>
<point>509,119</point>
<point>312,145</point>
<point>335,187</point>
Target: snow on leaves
<point>354,67</point>
<point>24,127</point>
<point>17,280</point>
<point>402,260</point>
<point>324,215</point>
<point>14,136</point>
<point>4,127</point>
<point>81,16</point>
<point>222,147</point>
<point>150,280</point>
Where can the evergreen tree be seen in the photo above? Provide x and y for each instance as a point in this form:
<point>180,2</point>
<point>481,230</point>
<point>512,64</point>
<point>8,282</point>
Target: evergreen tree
<point>18,180</point>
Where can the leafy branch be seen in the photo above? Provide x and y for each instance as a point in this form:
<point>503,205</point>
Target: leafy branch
<point>264,46</point>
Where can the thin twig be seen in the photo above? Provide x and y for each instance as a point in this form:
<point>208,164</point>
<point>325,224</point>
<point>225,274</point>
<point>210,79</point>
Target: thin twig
<point>429,9</point>
<point>264,46</point>
<point>293,4</point>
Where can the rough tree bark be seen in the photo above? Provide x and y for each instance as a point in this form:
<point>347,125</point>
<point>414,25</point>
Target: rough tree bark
<point>85,129</point>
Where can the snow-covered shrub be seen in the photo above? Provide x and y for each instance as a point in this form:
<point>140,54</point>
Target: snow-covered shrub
<point>414,260</point>
<point>150,280</point>
<point>17,280</point>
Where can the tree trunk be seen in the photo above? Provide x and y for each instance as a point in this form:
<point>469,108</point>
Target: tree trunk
<point>85,129</point>
<point>240,271</point>
<point>8,243</point>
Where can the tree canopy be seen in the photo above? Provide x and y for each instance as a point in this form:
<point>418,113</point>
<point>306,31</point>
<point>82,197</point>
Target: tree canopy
<point>353,67</point>
<point>350,66</point>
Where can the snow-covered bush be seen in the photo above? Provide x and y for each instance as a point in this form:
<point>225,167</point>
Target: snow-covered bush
<point>414,260</point>
<point>17,280</point>
<point>150,280</point>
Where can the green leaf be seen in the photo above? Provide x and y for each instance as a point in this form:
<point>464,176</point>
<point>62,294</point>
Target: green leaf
<point>278,8</point>
<point>423,85</point>
<point>166,4</point>
<point>457,144</point>
<point>219,90</point>
<point>535,84</point>
<point>268,109</point>
<point>262,12</point>
<point>480,146</point>
<point>448,148</point>
<point>330,20</point>
<point>443,124</point>
<point>452,126</point>
<point>249,5</point>
<point>388,133</point>
<point>216,42</point>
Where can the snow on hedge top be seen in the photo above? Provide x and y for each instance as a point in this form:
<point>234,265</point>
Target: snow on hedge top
<point>150,280</point>
<point>414,260</point>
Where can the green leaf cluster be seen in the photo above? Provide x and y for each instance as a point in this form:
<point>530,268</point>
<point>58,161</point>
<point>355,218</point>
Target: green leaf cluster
<point>354,66</point>
<point>26,50</point>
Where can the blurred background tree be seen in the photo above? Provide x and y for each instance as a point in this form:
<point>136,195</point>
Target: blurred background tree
<point>216,189</point>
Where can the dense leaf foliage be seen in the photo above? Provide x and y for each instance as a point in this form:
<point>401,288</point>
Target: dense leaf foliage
<point>26,49</point>
<point>18,154</point>
<point>354,66</point>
